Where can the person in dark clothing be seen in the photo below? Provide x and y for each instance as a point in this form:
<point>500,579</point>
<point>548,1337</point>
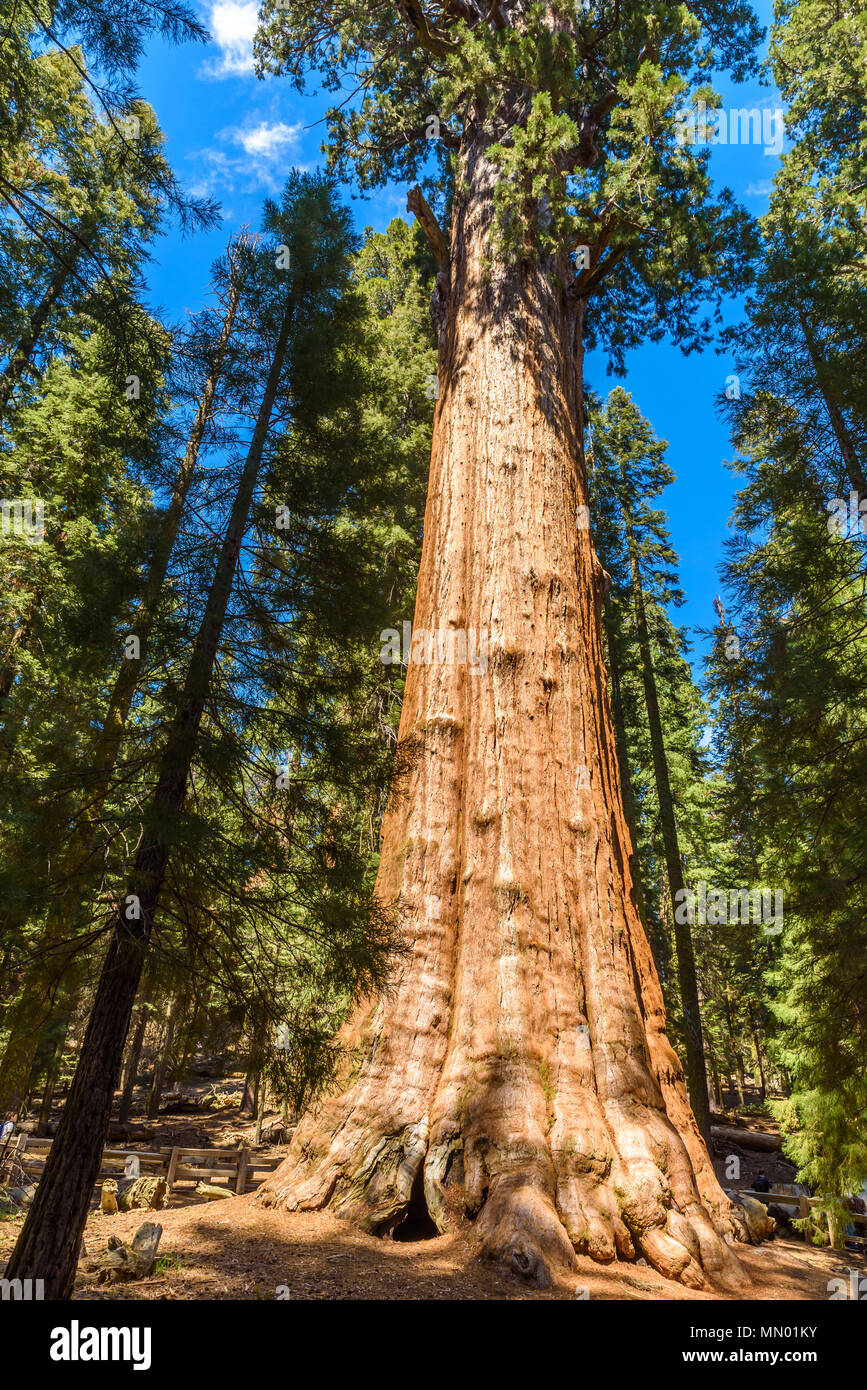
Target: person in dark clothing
<point>762,1184</point>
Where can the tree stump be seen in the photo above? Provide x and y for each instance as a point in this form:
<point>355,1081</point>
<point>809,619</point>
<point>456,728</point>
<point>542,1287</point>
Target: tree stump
<point>752,1218</point>
<point>122,1263</point>
<point>147,1194</point>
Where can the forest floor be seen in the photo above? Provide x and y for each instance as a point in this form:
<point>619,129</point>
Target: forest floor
<point>238,1249</point>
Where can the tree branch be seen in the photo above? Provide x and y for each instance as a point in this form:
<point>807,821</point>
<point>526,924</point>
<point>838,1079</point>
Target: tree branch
<point>418,204</point>
<point>430,39</point>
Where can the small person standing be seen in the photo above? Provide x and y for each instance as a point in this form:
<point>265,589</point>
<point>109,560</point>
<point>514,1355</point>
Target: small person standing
<point>7,1129</point>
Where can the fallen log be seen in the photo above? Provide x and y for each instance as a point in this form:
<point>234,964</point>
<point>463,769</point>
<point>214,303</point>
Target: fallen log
<point>130,1134</point>
<point>184,1105</point>
<point>210,1192</point>
<point>748,1138</point>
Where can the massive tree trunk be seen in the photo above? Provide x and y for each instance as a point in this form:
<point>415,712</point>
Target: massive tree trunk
<point>517,1073</point>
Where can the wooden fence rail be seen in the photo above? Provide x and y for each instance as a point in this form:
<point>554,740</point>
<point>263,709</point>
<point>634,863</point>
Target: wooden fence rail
<point>803,1204</point>
<point>179,1164</point>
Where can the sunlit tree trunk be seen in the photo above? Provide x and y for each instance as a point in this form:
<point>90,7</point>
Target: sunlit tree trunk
<point>518,1073</point>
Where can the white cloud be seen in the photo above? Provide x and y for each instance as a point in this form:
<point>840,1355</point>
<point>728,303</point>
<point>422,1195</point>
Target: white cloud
<point>762,189</point>
<point>247,158</point>
<point>232,26</point>
<point>267,141</point>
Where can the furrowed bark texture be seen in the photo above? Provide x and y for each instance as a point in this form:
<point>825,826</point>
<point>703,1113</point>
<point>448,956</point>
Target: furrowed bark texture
<point>517,1073</point>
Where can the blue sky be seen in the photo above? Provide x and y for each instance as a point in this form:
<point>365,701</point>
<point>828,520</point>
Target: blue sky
<point>234,138</point>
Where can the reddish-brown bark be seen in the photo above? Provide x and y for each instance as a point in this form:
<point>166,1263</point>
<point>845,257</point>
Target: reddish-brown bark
<point>517,1073</point>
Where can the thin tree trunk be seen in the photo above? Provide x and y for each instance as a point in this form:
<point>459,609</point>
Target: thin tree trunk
<point>262,1089</point>
<point>52,1071</point>
<point>517,1073</point>
<point>835,414</point>
<point>735,1050</point>
<point>9,666</point>
<point>763,1089</point>
<point>134,1054</point>
<point>743,792</point>
<point>696,1070</point>
<point>715,1077</point>
<point>161,1064</point>
<point>740,1077</point>
<point>60,938</point>
<point>51,1235</point>
<point>629,806</point>
<point>249,1097</point>
<point>186,1050</point>
<point>23,355</point>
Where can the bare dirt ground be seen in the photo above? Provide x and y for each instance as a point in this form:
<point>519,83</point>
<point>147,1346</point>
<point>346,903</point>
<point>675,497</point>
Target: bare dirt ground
<point>237,1249</point>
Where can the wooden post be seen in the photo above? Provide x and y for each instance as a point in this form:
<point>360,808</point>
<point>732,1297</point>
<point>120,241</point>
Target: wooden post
<point>243,1160</point>
<point>804,1211</point>
<point>174,1160</point>
<point>20,1146</point>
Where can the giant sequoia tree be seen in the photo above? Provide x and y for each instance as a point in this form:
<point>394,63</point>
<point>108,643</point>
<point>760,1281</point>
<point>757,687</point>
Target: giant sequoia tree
<point>518,1072</point>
